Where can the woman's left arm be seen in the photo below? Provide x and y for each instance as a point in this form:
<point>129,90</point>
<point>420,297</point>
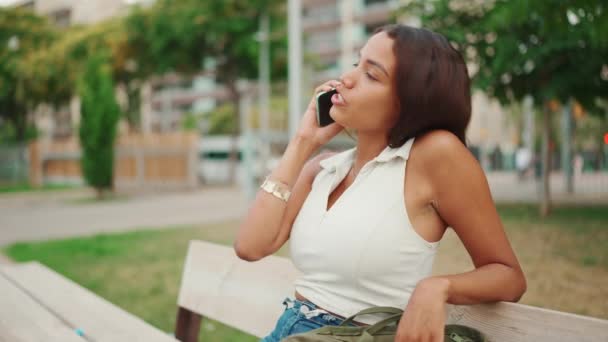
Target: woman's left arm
<point>463,200</point>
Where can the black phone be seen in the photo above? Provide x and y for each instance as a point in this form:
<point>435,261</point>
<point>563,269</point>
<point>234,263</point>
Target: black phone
<point>323,106</point>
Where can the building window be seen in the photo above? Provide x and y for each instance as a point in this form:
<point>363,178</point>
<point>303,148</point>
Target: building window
<point>185,107</point>
<point>62,17</point>
<point>321,41</point>
<point>373,2</point>
<point>321,13</point>
<point>185,84</point>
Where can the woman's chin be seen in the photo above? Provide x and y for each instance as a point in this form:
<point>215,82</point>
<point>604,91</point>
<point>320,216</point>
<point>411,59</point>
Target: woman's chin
<point>336,115</point>
<point>339,121</point>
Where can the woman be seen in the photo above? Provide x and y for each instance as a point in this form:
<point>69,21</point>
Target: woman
<point>365,223</point>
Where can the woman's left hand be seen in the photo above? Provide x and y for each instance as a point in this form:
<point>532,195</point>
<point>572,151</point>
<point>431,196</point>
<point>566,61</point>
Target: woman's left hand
<point>424,317</point>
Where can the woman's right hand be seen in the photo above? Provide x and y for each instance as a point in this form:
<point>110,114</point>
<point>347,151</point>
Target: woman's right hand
<point>309,127</point>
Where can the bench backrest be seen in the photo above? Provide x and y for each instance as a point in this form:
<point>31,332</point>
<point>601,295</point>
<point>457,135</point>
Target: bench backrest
<point>249,296</point>
<point>48,304</point>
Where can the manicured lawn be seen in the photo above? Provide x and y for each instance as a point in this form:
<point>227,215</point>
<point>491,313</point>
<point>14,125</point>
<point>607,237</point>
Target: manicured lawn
<point>28,188</point>
<point>582,232</point>
<point>565,259</point>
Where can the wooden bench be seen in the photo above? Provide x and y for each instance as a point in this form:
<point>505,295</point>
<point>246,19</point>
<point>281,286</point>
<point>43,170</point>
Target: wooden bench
<point>248,296</point>
<point>37,304</point>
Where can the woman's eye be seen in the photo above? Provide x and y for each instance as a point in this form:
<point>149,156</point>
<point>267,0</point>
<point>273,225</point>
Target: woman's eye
<point>367,73</point>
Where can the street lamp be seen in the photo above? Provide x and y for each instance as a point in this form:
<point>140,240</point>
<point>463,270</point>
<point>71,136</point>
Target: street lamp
<point>295,64</point>
<point>263,37</point>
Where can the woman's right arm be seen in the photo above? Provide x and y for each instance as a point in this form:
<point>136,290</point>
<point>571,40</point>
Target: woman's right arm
<point>268,222</point>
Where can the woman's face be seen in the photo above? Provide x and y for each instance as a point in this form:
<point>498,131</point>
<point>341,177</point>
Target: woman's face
<point>369,103</point>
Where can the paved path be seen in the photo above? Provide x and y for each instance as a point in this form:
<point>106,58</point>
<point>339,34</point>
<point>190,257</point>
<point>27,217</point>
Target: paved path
<point>44,216</point>
<point>589,188</point>
<point>59,214</point>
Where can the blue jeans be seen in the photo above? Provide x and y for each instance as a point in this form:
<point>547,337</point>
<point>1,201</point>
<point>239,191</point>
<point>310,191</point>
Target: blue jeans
<point>299,317</point>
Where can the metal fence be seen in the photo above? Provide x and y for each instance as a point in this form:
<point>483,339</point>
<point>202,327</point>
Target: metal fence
<point>14,166</point>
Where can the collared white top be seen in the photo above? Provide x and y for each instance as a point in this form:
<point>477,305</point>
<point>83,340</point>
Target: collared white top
<point>363,251</point>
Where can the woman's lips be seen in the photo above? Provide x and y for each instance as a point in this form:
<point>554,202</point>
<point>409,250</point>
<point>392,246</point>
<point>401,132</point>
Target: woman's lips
<point>338,100</point>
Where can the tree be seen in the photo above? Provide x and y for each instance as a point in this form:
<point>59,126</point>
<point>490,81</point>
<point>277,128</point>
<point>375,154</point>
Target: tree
<point>22,33</point>
<point>221,120</point>
<point>180,36</point>
<point>111,37</point>
<point>550,50</point>
<point>100,114</point>
<point>108,37</point>
<point>51,74</point>
<point>167,37</point>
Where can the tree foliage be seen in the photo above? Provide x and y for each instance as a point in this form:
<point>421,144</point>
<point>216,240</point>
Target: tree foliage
<point>22,34</point>
<point>180,36</point>
<point>221,120</point>
<point>41,63</point>
<point>546,49</point>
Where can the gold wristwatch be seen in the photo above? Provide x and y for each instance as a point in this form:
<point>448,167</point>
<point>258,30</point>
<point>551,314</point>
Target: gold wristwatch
<point>278,189</point>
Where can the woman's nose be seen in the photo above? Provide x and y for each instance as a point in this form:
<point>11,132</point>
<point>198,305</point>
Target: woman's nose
<point>347,81</point>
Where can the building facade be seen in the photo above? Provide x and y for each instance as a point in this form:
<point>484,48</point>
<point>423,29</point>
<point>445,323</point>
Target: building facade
<point>64,13</point>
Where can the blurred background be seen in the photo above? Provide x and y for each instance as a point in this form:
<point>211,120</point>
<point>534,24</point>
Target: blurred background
<point>121,115</point>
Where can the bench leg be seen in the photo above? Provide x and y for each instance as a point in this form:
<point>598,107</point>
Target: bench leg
<point>187,326</point>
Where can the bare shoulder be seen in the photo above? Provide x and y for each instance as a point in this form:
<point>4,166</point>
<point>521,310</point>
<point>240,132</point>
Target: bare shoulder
<point>447,163</point>
<point>440,147</point>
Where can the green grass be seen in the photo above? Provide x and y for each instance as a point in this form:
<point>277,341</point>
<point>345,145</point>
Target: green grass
<point>109,197</point>
<point>575,218</point>
<point>13,188</point>
<point>584,228</point>
<point>141,271</point>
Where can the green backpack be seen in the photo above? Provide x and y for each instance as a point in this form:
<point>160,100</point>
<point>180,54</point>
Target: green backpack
<point>383,331</point>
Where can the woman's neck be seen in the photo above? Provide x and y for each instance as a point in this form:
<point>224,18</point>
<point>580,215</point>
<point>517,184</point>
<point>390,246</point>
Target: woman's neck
<point>368,148</point>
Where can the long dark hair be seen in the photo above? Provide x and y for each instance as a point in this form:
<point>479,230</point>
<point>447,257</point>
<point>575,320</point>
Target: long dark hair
<point>432,84</point>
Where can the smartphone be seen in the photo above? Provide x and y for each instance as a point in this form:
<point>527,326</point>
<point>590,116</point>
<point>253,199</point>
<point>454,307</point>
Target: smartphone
<point>323,106</point>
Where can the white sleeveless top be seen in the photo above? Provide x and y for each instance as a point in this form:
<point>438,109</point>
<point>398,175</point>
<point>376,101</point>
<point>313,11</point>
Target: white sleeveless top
<point>364,251</point>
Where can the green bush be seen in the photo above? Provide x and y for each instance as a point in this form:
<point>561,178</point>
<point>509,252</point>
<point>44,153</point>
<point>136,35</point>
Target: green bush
<point>221,120</point>
<point>190,122</point>
<point>100,114</point>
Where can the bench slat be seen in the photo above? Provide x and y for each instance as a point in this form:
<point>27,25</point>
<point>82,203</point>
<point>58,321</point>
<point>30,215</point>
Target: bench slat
<point>24,320</point>
<point>82,308</point>
<point>248,296</point>
<point>518,323</point>
<point>245,295</point>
